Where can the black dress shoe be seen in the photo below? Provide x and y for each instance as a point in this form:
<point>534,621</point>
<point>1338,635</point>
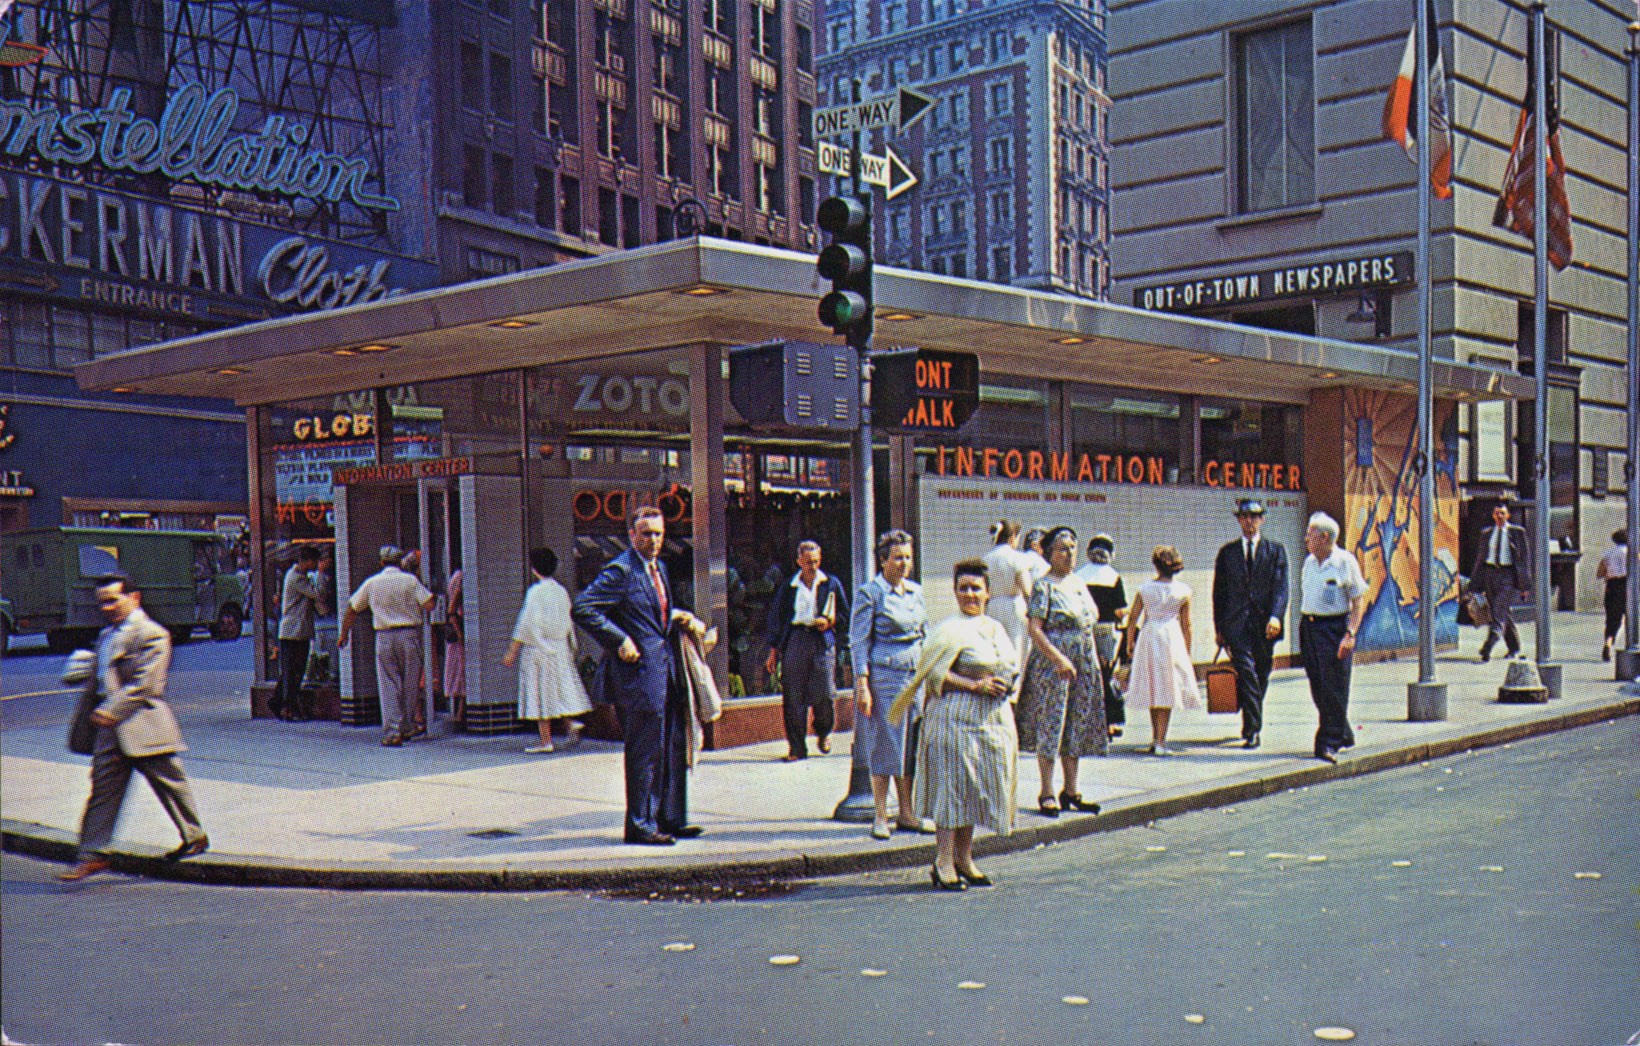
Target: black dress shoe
<point>955,885</point>
<point>1252,740</point>
<point>688,831</point>
<point>975,878</point>
<point>644,837</point>
<point>1074,801</point>
<point>824,744</point>
<point>1486,655</point>
<point>193,849</point>
<point>1047,806</point>
<point>1326,755</point>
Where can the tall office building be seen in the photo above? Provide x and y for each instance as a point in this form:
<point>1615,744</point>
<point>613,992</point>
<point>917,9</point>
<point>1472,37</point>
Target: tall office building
<point>1011,159</point>
<point>554,129</point>
<point>1253,182</point>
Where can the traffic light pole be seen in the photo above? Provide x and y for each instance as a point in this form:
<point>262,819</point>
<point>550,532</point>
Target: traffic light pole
<point>857,807</point>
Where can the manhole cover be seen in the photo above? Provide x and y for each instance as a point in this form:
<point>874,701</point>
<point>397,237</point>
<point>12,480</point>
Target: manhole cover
<point>493,833</point>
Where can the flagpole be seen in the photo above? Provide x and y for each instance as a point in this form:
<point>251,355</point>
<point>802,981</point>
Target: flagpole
<point>1426,699</point>
<point>1628,659</point>
<point>1540,354</point>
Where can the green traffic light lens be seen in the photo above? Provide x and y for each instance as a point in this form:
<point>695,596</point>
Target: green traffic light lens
<point>843,309</point>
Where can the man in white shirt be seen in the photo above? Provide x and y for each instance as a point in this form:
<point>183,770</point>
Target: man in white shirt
<point>1503,568</point>
<point>301,602</point>
<point>398,603</point>
<point>802,635</point>
<point>1331,603</point>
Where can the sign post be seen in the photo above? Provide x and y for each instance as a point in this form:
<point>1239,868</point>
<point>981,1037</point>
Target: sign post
<point>848,311</point>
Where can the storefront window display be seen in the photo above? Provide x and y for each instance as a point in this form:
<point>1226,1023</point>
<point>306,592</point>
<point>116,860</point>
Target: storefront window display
<point>1128,422</point>
<point>459,417</point>
<point>1246,433</point>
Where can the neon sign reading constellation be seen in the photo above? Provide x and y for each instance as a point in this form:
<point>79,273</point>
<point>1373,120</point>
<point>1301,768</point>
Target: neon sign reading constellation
<point>193,139</point>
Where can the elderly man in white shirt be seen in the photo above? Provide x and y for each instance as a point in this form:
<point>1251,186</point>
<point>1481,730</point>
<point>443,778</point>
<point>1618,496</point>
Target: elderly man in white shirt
<point>1332,602</point>
<point>398,603</point>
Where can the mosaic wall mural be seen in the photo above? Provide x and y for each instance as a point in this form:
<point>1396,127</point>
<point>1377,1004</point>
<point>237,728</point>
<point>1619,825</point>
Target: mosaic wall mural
<point>1381,509</point>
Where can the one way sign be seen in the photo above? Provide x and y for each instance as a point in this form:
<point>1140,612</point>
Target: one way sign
<point>888,171</point>
<point>895,111</point>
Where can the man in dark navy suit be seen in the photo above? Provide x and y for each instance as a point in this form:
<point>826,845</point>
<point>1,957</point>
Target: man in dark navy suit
<point>629,609</point>
<point>1249,603</point>
<point>1503,568</point>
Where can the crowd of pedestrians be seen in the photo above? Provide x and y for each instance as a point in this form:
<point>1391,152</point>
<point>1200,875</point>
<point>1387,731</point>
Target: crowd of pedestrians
<point>1042,656</point>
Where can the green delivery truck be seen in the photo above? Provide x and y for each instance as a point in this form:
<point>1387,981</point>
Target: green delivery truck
<point>47,577</point>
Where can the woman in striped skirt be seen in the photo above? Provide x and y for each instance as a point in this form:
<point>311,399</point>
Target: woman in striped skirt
<point>968,751</point>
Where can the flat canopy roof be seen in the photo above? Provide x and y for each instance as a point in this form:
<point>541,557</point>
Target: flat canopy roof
<point>703,290</point>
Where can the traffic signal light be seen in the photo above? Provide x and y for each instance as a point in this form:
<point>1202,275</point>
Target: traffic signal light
<point>847,264</point>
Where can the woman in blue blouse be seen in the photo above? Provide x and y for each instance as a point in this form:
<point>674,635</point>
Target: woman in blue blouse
<point>885,638</point>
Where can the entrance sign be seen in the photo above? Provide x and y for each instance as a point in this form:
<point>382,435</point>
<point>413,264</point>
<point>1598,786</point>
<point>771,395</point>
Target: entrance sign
<point>888,170</point>
<point>399,472</point>
<point>896,111</point>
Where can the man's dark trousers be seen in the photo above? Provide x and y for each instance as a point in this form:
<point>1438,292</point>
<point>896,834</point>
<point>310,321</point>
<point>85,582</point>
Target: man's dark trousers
<point>807,667</point>
<point>1329,677</point>
<point>1501,585</point>
<point>293,659</point>
<point>657,752</point>
<point>1251,655</point>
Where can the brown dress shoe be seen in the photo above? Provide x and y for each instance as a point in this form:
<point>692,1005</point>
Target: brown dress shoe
<point>85,869</point>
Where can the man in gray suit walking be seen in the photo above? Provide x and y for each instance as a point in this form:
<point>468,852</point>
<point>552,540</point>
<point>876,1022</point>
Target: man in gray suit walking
<point>125,724</point>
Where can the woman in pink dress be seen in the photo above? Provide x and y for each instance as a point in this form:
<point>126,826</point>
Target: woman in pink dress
<point>1162,677</point>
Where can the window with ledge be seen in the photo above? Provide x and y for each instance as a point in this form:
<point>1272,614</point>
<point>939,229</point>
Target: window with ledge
<point>501,185</point>
<point>1275,118</point>
<point>472,176</point>
<point>472,77</point>
<point>501,88</point>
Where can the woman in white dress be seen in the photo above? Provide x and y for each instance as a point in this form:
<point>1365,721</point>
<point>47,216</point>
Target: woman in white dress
<point>1162,677</point>
<point>1010,583</point>
<point>549,687</point>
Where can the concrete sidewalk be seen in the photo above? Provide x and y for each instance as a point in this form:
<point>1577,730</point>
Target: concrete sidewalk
<point>319,804</point>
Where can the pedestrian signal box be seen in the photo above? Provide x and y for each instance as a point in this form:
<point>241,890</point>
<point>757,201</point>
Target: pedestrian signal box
<point>796,385</point>
<point>924,390</point>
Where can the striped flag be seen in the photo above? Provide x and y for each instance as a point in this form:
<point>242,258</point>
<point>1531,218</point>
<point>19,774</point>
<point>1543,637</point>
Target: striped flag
<point>1515,209</point>
<point>1399,122</point>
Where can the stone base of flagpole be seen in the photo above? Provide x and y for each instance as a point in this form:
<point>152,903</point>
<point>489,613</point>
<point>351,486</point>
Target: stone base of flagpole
<point>1628,665</point>
<point>1426,702</point>
<point>1549,672</point>
<point>858,807</point>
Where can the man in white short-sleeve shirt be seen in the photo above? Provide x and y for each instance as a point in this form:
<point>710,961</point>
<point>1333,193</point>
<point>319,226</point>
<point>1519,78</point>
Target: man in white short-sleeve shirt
<point>398,603</point>
<point>1332,600</point>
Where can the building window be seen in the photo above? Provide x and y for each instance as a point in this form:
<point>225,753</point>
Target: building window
<point>959,265</point>
<point>472,176</point>
<point>501,184</point>
<point>959,55</point>
<point>546,198</point>
<point>999,265</point>
<point>1002,209</point>
<point>538,104</point>
<point>501,88</point>
<point>959,108</point>
<point>1001,153</point>
<point>1275,118</point>
<point>472,77</point>
<point>936,220</point>
<point>959,219</point>
<point>571,212</point>
<point>1000,96</point>
<point>482,263</point>
<point>805,200</point>
<point>898,229</point>
<point>1002,45</point>
<point>719,16</point>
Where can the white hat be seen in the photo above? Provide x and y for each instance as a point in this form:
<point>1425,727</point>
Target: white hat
<point>79,667</point>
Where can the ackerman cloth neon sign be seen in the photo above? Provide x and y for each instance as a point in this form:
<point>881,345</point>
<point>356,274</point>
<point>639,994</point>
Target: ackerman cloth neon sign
<point>192,140</point>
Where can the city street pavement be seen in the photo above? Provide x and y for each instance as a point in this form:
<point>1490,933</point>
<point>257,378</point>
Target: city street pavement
<point>320,804</point>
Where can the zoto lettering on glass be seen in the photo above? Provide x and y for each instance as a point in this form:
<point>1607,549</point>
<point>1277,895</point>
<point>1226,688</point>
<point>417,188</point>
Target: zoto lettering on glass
<point>643,393</point>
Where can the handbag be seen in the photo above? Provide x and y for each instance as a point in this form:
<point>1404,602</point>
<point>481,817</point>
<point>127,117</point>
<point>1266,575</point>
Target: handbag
<point>1121,673</point>
<point>1221,686</point>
